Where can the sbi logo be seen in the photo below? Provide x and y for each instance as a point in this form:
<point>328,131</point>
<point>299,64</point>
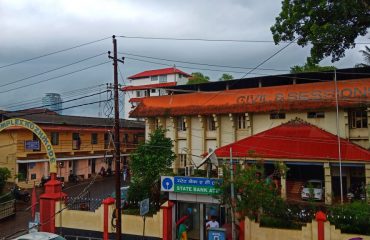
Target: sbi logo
<point>167,184</point>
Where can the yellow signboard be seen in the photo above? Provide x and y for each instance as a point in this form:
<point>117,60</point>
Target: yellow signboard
<point>19,122</point>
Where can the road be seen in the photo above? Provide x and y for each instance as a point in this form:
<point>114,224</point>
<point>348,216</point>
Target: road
<point>100,189</point>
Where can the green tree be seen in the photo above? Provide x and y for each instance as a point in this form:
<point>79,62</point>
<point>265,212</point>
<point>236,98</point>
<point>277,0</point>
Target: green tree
<point>310,67</point>
<point>197,77</point>
<point>366,54</point>
<point>4,176</point>
<point>150,160</point>
<point>254,194</point>
<point>331,26</point>
<point>226,77</point>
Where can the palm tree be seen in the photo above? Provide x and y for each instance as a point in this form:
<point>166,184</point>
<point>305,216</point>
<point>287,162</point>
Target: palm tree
<point>366,54</point>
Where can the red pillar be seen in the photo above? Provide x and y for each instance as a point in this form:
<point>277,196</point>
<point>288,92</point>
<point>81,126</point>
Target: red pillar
<point>108,201</point>
<point>167,221</point>
<point>53,193</point>
<point>242,230</point>
<point>320,218</point>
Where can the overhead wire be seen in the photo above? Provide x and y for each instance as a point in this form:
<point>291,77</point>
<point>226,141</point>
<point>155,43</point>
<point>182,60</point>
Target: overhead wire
<point>55,52</point>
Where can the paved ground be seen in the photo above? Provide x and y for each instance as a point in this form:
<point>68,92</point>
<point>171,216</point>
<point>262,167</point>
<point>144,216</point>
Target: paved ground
<point>101,189</point>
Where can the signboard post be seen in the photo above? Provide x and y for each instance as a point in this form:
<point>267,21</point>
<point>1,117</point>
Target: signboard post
<point>144,209</point>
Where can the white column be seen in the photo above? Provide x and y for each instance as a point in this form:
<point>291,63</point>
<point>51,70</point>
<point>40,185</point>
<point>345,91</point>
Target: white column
<point>328,184</point>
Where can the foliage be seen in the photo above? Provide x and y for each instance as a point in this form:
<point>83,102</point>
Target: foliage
<point>331,26</point>
<point>5,174</point>
<point>366,54</point>
<point>197,77</point>
<point>351,218</point>
<point>276,222</point>
<point>226,77</point>
<point>253,193</point>
<point>150,160</point>
<point>310,67</point>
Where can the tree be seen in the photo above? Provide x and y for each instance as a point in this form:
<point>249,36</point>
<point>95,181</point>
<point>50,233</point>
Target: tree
<point>331,26</point>
<point>197,77</point>
<point>310,67</point>
<point>366,54</point>
<point>4,176</point>
<point>226,77</point>
<point>254,193</point>
<point>150,160</point>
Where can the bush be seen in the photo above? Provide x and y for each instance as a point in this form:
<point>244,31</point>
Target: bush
<point>351,218</point>
<point>5,174</point>
<point>267,221</point>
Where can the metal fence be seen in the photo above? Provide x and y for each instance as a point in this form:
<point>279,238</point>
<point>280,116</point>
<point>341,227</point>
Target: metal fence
<point>83,203</point>
<point>7,209</point>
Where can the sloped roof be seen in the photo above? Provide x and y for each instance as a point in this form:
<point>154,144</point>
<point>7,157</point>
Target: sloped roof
<point>265,99</point>
<point>149,86</point>
<point>295,140</point>
<point>42,117</point>
<point>158,72</point>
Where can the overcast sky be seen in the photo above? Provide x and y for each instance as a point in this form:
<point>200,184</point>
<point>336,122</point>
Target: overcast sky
<point>33,28</point>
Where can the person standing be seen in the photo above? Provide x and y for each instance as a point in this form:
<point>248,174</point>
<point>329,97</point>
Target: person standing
<point>212,223</point>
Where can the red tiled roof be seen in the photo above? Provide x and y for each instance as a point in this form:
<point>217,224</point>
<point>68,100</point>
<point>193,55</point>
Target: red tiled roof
<point>149,86</point>
<point>135,100</point>
<point>157,72</point>
<point>284,98</point>
<point>295,140</point>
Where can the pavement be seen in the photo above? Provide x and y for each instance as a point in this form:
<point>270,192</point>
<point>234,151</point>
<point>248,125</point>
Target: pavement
<point>100,189</point>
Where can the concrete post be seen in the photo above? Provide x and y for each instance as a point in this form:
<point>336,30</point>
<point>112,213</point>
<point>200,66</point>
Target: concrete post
<point>108,201</point>
<point>328,184</point>
<point>53,193</point>
<point>283,187</point>
<point>167,220</point>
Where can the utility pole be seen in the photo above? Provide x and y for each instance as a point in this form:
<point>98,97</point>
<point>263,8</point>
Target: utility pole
<point>117,151</point>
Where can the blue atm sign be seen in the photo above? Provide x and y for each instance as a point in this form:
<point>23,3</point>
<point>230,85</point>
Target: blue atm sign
<point>192,185</point>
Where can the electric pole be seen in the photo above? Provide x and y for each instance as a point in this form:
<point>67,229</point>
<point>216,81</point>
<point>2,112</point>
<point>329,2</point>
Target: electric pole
<point>117,151</point>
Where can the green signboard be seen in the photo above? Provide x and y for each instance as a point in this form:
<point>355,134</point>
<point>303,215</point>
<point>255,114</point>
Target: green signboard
<point>192,185</point>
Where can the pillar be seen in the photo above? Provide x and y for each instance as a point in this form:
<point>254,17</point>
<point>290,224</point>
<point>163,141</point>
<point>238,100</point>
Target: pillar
<point>367,181</point>
<point>108,201</point>
<point>328,185</point>
<point>241,230</point>
<point>167,220</point>
<point>53,193</point>
<point>283,187</point>
<point>320,218</point>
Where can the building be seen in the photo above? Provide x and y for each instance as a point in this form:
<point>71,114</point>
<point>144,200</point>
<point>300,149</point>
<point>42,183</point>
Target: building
<point>151,83</point>
<point>53,102</point>
<point>82,145</point>
<point>218,114</point>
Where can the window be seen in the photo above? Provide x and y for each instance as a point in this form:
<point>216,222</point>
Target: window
<point>182,158</point>
<point>76,141</point>
<point>125,138</point>
<point>358,118</point>
<point>241,121</point>
<point>138,93</point>
<point>153,90</point>
<point>54,138</point>
<point>94,138</point>
<point>315,115</point>
<point>154,78</point>
<point>277,115</point>
<point>181,124</point>
<point>163,78</point>
<point>211,124</point>
<point>108,140</point>
<point>180,76</point>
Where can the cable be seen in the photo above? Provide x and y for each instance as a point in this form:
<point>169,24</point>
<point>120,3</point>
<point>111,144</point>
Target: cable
<point>52,70</point>
<point>52,53</point>
<point>197,63</point>
<point>206,39</point>
<point>52,78</point>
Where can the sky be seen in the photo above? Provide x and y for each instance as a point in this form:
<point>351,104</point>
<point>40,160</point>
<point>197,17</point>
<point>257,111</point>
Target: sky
<point>34,28</point>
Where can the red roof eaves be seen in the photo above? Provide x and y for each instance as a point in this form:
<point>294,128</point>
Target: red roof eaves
<point>157,72</point>
<point>149,86</point>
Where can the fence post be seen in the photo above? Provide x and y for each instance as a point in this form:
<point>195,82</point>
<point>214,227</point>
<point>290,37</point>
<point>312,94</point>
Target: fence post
<point>108,201</point>
<point>167,220</point>
<point>53,193</point>
<point>320,218</point>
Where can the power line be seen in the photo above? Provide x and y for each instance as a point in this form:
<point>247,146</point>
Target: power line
<point>206,39</point>
<point>52,78</point>
<point>197,63</point>
<point>52,53</point>
<point>51,70</point>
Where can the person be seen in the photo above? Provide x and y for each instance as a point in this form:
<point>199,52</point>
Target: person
<point>212,223</point>
<point>182,233</point>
